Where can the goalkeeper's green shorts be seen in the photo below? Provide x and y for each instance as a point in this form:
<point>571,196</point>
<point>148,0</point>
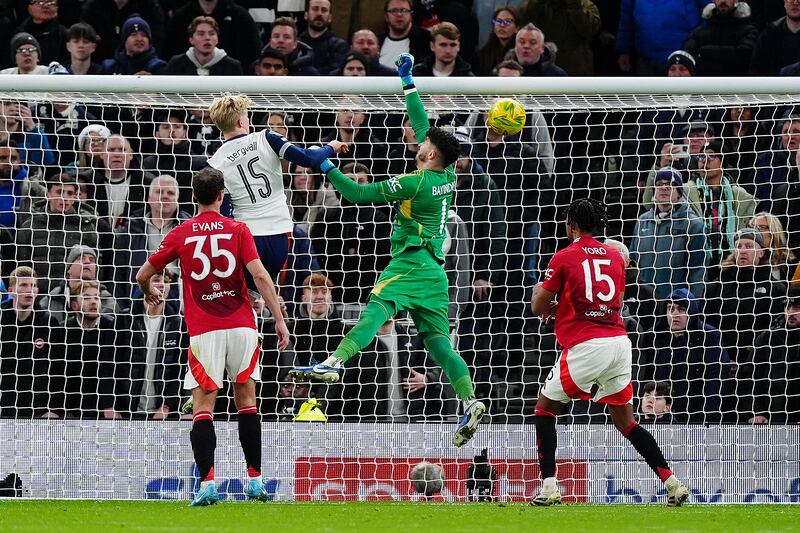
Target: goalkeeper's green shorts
<point>416,282</point>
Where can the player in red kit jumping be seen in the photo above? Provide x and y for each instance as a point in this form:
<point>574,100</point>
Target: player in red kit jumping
<point>214,251</point>
<point>588,280</point>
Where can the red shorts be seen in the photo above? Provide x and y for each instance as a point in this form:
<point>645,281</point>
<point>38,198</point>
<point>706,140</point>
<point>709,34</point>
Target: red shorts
<point>210,354</point>
<point>604,362</point>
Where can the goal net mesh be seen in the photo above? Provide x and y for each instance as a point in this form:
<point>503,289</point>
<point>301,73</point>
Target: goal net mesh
<point>703,191</point>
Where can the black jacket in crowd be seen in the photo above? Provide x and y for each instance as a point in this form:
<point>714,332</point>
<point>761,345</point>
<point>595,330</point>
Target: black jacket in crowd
<point>785,205</point>
<point>696,365</point>
<point>238,33</point>
<point>477,203</point>
<point>776,47</point>
<point>52,37</point>
<point>724,45</point>
<point>546,66</point>
<point>742,304</point>
<point>96,370</point>
<point>171,350</point>
<point>29,351</point>
<point>329,51</point>
<point>353,247</point>
<point>221,65</point>
<point>775,372</point>
<point>425,67</point>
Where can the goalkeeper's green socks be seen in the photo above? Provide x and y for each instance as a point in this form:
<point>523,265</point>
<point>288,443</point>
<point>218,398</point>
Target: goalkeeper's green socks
<point>439,346</point>
<point>374,316</point>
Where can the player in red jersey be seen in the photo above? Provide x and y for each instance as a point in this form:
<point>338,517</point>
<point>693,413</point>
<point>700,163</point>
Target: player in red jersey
<point>588,280</point>
<point>214,251</point>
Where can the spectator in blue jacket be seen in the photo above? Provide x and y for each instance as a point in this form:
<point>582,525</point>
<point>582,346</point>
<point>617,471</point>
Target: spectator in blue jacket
<point>687,353</point>
<point>329,50</point>
<point>135,52</point>
<point>669,241</point>
<point>651,30</point>
<point>12,174</point>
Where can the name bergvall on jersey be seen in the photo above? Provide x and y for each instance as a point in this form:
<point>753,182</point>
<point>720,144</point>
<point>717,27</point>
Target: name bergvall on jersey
<point>254,181</point>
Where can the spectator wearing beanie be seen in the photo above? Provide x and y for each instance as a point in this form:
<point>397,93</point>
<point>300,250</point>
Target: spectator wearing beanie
<point>354,64</point>
<point>25,53</point>
<point>135,52</point>
<point>44,25</point>
<point>204,58</point>
<point>724,45</point>
<point>108,18</point>
<point>681,64</point>
<point>669,240</point>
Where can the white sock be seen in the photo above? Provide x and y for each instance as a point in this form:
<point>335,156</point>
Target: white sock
<point>204,484</point>
<point>257,478</point>
<point>550,483</point>
<point>671,481</point>
<point>466,403</point>
<point>332,361</point>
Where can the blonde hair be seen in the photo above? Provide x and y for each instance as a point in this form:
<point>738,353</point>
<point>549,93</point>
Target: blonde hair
<point>87,284</point>
<point>21,272</point>
<point>779,251</point>
<point>226,110</point>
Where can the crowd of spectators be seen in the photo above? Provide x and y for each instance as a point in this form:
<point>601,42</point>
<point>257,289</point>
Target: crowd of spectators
<point>704,204</point>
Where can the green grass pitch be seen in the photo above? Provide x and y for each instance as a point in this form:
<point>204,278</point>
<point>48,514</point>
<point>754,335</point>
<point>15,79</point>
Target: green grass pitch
<point>43,516</point>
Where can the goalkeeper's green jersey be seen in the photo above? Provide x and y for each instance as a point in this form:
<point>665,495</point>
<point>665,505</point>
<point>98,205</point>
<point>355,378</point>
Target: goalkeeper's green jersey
<point>422,197</point>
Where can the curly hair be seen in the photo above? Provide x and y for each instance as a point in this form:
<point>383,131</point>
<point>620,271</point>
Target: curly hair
<point>589,215</point>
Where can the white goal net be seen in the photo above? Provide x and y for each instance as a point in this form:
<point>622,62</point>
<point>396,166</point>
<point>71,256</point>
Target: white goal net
<point>702,190</point>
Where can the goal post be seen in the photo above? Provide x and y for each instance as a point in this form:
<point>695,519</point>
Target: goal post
<point>87,164</point>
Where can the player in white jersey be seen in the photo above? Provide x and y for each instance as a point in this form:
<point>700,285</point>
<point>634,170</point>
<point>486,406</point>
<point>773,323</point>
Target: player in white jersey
<point>251,164</point>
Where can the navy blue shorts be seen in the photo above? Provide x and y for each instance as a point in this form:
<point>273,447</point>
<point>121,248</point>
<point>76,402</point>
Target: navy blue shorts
<point>273,250</point>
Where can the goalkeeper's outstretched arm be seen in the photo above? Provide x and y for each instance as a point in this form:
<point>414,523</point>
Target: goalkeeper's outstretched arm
<point>414,107</point>
<point>398,188</point>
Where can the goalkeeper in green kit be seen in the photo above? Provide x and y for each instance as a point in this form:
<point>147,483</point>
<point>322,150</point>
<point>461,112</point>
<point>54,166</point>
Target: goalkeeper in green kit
<point>415,279</point>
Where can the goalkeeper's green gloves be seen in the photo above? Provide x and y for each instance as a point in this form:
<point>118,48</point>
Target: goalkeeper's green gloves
<point>405,63</point>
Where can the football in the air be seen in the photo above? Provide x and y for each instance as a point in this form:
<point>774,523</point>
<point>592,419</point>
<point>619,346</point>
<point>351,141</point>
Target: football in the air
<point>427,478</point>
<point>506,116</point>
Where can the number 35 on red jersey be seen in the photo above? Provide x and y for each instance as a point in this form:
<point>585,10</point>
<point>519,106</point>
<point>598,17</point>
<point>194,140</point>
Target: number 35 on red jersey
<point>213,252</point>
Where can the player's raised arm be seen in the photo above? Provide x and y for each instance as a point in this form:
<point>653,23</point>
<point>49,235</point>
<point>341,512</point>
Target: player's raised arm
<point>305,157</point>
<point>414,107</point>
